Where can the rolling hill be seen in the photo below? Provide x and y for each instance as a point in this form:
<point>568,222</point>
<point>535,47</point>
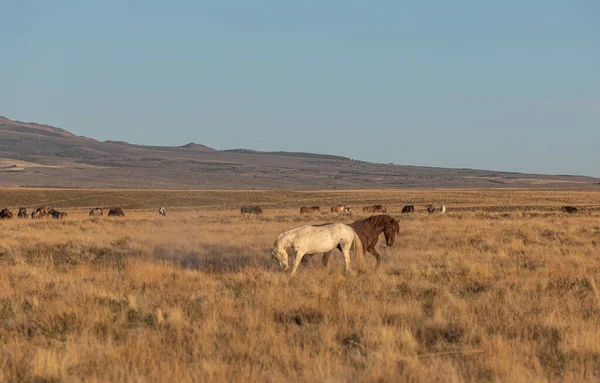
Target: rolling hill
<point>37,155</point>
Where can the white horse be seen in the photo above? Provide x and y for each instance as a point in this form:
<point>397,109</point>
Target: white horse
<point>316,240</point>
<point>443,209</point>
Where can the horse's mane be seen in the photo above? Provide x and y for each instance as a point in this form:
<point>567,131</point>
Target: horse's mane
<point>381,219</point>
<point>378,219</point>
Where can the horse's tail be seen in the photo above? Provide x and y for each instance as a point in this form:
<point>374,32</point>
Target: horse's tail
<point>357,246</point>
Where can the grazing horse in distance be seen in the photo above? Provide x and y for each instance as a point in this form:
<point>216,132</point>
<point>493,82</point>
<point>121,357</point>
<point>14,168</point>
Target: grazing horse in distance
<point>57,214</point>
<point>96,212</point>
<point>408,209</point>
<point>6,214</point>
<point>162,212</point>
<point>42,212</point>
<point>35,214</point>
<point>310,209</point>
<point>22,213</point>
<point>368,231</point>
<point>251,210</point>
<point>568,209</point>
<point>443,209</point>
<point>430,208</point>
<point>341,209</point>
<point>116,212</point>
<point>316,239</point>
<point>374,209</point>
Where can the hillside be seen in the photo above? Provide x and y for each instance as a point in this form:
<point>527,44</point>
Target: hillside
<point>37,155</point>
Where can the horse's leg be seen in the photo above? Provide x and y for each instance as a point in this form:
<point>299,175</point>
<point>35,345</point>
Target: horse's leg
<point>306,259</point>
<point>325,258</point>
<point>376,255</point>
<point>299,256</point>
<point>346,253</point>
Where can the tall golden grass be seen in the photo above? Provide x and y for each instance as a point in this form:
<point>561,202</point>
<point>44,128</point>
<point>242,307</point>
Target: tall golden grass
<point>479,294</point>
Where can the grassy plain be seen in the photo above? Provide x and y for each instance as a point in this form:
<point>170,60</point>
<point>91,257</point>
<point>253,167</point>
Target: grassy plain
<point>502,288</point>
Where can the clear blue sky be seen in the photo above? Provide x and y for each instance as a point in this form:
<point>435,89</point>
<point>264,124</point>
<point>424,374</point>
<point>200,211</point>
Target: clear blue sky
<point>508,85</point>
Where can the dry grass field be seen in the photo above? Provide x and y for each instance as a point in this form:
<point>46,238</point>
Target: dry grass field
<point>502,288</point>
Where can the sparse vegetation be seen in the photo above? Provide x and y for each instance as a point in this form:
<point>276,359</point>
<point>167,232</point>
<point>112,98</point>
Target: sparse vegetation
<point>502,288</point>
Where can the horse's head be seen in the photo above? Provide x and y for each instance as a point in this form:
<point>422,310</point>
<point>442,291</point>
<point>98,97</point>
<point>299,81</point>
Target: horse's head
<point>347,209</point>
<point>281,256</point>
<point>390,230</point>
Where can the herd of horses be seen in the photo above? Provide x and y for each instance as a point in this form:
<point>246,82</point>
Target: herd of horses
<point>344,209</point>
<point>305,241</point>
<point>361,235</point>
<point>309,240</point>
<point>40,212</point>
<point>45,212</point>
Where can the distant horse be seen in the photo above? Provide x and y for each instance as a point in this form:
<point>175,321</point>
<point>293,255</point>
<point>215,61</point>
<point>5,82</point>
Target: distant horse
<point>430,208</point>
<point>6,214</point>
<point>42,212</point>
<point>368,231</point>
<point>116,212</point>
<point>408,209</point>
<point>251,210</point>
<point>568,209</point>
<point>57,214</point>
<point>22,213</point>
<point>35,214</point>
<point>341,209</point>
<point>162,212</point>
<point>310,209</point>
<point>443,209</point>
<point>374,209</point>
<point>96,212</point>
<point>316,239</point>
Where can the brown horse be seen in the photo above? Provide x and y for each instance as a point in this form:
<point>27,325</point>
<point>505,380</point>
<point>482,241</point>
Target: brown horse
<point>41,211</point>
<point>57,214</point>
<point>568,209</point>
<point>251,210</point>
<point>6,214</point>
<point>116,212</point>
<point>368,231</point>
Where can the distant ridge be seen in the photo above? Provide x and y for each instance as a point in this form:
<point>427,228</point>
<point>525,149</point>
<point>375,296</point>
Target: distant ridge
<point>192,145</point>
<point>32,127</point>
<point>38,155</point>
<point>291,154</point>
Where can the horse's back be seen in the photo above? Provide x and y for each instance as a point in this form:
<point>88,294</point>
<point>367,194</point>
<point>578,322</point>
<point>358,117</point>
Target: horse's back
<point>319,239</point>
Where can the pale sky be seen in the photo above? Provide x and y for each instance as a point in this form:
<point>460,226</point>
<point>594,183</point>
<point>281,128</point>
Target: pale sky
<point>511,85</point>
